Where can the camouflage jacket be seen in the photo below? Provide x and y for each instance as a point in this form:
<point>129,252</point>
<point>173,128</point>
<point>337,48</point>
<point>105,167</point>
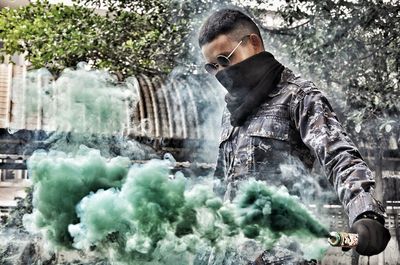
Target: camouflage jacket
<point>296,123</point>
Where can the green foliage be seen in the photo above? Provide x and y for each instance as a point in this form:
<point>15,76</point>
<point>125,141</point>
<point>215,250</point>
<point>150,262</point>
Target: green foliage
<point>54,36</point>
<point>129,37</point>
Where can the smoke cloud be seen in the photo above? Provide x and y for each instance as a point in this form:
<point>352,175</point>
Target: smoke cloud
<point>142,213</point>
<point>61,181</point>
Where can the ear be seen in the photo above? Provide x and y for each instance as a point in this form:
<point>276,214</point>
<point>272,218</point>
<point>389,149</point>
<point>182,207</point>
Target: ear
<point>256,42</point>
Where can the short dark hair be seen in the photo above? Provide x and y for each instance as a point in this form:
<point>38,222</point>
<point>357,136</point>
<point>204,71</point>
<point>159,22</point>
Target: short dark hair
<point>226,21</point>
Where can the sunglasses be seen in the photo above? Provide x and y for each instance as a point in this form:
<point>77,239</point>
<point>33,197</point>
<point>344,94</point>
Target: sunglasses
<point>222,60</point>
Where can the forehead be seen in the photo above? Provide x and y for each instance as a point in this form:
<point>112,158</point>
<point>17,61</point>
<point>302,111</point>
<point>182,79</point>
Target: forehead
<point>220,45</point>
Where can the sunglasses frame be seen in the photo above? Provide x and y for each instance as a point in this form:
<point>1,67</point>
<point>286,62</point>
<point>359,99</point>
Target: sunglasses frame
<point>222,60</point>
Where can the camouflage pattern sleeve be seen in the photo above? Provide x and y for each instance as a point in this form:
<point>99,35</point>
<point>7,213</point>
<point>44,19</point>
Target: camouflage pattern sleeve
<point>321,131</point>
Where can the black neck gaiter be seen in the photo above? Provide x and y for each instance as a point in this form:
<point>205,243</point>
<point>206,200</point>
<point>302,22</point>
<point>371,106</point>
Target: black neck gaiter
<point>248,84</point>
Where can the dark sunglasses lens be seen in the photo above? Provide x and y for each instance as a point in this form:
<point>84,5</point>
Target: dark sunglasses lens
<point>210,68</point>
<point>223,60</point>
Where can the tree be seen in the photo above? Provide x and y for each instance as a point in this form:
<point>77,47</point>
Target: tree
<point>350,46</point>
<point>130,37</point>
<point>53,36</point>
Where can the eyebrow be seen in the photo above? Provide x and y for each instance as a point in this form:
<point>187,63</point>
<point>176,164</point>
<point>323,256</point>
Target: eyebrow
<point>225,53</point>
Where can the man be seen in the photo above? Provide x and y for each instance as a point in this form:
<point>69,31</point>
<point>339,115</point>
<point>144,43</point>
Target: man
<point>273,117</point>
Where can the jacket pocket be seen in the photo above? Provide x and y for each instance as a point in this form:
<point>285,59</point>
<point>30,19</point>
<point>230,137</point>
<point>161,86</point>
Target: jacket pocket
<point>269,137</point>
<point>269,127</point>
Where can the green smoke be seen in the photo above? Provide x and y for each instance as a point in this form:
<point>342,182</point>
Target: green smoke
<point>81,106</point>
<point>269,209</point>
<point>78,100</point>
<point>148,216</point>
<point>61,181</point>
<point>152,218</point>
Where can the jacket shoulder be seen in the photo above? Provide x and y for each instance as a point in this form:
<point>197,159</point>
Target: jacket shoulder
<point>295,84</point>
<point>297,87</point>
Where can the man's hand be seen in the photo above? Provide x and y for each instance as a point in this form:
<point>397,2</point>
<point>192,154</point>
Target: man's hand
<point>373,237</point>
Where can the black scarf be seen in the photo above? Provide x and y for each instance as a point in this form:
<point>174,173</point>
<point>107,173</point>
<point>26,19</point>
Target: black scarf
<point>249,83</point>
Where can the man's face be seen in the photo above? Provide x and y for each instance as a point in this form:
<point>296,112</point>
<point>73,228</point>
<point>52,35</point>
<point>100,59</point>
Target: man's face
<point>225,44</point>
